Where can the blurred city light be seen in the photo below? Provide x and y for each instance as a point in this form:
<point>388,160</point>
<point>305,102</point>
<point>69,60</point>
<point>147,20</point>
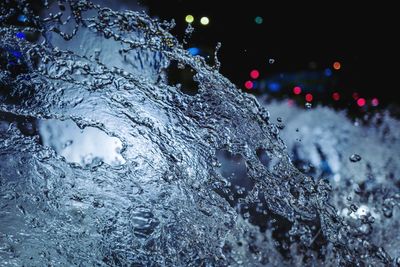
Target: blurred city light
<point>22,18</point>
<point>258,20</point>
<point>309,97</point>
<point>194,51</point>
<point>20,35</point>
<point>374,102</point>
<point>254,74</point>
<point>297,90</point>
<point>274,87</point>
<point>248,85</point>
<point>337,65</point>
<point>361,102</point>
<point>189,18</point>
<point>328,72</point>
<point>336,96</point>
<point>204,21</point>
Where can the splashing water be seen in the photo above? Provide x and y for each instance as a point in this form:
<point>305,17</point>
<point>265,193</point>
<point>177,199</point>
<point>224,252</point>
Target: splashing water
<point>199,180</point>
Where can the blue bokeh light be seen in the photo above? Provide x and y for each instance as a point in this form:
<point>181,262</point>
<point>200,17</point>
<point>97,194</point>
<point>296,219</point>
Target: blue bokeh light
<point>194,51</point>
<point>274,87</point>
<point>20,35</point>
<point>15,53</point>
<point>328,72</point>
<point>22,18</point>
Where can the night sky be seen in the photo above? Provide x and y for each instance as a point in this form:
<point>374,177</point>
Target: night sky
<point>298,38</point>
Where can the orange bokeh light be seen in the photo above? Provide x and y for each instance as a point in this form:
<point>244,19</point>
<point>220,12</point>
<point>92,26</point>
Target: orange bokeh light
<point>337,65</point>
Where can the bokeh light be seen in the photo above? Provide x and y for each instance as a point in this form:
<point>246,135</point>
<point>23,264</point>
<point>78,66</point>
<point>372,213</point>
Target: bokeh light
<point>256,85</point>
<point>248,85</point>
<point>194,51</point>
<point>297,90</point>
<point>328,72</point>
<point>274,87</point>
<point>309,97</point>
<point>374,102</point>
<point>22,18</point>
<point>20,35</point>
<point>204,21</point>
<point>355,96</point>
<point>254,74</point>
<point>336,96</point>
<point>361,102</point>
<point>189,18</point>
<point>258,20</point>
<point>337,65</point>
<point>15,53</point>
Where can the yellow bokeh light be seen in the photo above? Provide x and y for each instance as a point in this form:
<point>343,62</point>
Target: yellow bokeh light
<point>189,18</point>
<point>204,21</point>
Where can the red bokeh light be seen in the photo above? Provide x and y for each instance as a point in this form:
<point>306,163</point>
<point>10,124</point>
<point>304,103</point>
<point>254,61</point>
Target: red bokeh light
<point>309,97</point>
<point>297,90</point>
<point>248,85</point>
<point>355,96</point>
<point>361,102</point>
<point>336,96</point>
<point>254,74</point>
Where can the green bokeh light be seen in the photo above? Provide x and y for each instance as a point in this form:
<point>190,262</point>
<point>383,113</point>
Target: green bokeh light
<point>258,20</point>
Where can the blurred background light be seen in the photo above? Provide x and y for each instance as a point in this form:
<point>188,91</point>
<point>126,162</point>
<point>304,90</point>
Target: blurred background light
<point>248,85</point>
<point>22,18</point>
<point>336,96</point>
<point>328,72</point>
<point>204,21</point>
<point>189,18</point>
<point>361,102</point>
<point>297,90</point>
<point>274,87</point>
<point>258,20</point>
<point>374,102</point>
<point>20,35</point>
<point>254,74</point>
<point>194,51</point>
<point>337,65</point>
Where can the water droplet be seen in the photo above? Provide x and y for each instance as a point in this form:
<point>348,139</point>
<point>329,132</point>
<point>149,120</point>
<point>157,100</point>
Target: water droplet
<point>365,229</point>
<point>387,211</point>
<point>355,158</point>
<point>353,207</point>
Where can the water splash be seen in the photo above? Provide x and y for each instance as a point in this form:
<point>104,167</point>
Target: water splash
<point>172,203</point>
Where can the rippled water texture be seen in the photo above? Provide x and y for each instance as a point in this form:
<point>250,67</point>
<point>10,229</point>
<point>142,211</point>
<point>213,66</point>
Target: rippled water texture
<point>103,162</point>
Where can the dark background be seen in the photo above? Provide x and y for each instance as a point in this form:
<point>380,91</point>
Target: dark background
<point>302,39</point>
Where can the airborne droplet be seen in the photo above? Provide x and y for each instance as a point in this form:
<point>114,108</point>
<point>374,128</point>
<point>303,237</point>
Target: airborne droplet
<point>355,158</point>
